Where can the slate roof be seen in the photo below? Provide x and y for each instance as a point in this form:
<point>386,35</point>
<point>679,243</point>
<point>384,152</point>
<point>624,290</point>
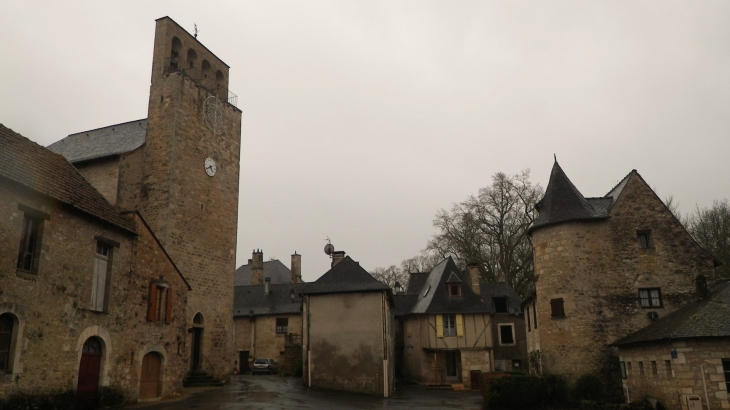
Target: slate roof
<point>491,290</point>
<point>563,202</point>
<point>347,276</point>
<point>276,302</point>
<point>403,303</point>
<point>102,142</point>
<point>433,296</point>
<point>704,318</point>
<point>416,281</point>
<point>29,164</point>
<point>274,269</point>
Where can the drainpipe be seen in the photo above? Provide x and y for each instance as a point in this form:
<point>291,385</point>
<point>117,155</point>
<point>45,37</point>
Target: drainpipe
<point>704,385</point>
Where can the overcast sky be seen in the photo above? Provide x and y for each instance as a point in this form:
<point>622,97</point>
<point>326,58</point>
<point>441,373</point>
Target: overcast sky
<point>362,119</point>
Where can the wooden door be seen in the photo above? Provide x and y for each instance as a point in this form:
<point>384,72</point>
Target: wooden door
<point>475,376</point>
<point>89,370</point>
<point>149,384</point>
<point>243,362</point>
<point>197,338</point>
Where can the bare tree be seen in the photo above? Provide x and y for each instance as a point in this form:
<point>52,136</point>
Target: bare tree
<point>490,229</point>
<point>711,229</point>
<point>424,262</point>
<point>390,276</point>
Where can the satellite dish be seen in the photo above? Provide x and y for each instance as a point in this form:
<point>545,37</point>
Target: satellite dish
<point>329,249</point>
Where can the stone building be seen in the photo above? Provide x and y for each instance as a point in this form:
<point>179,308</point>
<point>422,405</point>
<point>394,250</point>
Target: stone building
<point>89,298</point>
<point>605,267</point>
<point>179,168</point>
<point>267,314</point>
<point>348,330</point>
<point>451,327</point>
<point>682,359</point>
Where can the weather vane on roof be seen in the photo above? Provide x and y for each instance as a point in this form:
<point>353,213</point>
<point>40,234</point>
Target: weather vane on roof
<point>196,30</point>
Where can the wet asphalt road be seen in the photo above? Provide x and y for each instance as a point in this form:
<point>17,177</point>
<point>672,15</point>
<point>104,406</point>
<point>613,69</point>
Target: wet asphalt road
<point>273,392</point>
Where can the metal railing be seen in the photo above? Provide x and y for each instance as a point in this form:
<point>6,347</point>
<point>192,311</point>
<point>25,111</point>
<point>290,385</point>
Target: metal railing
<point>205,79</point>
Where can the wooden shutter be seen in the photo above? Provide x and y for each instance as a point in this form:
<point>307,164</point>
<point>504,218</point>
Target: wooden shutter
<point>556,307</point>
<point>98,286</point>
<point>168,312</point>
<point>151,302</point>
<point>439,326</point>
<point>460,325</point>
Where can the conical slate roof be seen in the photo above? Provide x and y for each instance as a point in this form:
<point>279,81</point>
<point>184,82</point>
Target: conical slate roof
<point>346,276</point>
<point>563,202</point>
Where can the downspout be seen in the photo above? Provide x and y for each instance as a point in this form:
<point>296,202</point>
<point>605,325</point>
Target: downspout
<point>704,385</point>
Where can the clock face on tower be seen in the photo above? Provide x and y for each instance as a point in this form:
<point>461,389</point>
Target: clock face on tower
<point>209,167</point>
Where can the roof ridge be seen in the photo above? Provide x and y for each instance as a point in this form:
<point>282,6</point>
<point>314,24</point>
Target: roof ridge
<point>101,128</point>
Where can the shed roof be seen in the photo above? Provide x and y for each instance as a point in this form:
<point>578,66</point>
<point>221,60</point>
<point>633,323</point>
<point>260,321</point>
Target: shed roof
<point>705,318</point>
<point>29,164</point>
<point>346,276</point>
<point>102,142</point>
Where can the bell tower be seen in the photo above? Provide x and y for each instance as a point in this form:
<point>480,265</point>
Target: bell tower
<point>189,189</point>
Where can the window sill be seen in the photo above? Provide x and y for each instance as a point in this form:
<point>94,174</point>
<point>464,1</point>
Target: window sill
<point>95,311</point>
<point>26,275</point>
<point>559,317</point>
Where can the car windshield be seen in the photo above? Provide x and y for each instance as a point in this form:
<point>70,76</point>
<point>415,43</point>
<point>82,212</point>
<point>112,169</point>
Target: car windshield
<point>261,361</point>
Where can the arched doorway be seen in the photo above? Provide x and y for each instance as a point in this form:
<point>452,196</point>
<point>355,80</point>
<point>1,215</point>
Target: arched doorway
<point>197,342</point>
<point>150,383</point>
<point>6,341</point>
<point>89,370</point>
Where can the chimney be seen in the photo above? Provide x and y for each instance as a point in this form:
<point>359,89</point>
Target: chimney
<point>267,281</point>
<point>472,271</point>
<point>257,267</point>
<point>337,257</point>
<point>296,268</point>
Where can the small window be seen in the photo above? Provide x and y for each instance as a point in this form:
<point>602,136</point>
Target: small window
<point>641,368</point>
<point>650,298</point>
<point>449,325</point>
<point>454,290</point>
<point>726,370</point>
<point>556,307</point>
<point>653,368</point>
<point>29,252</point>
<point>516,364</point>
<point>534,313</point>
<point>500,304</point>
<point>668,369</point>
<point>506,334</point>
<point>527,314</point>
<point>644,239</point>
<point>282,325</point>
<point>622,365</point>
<point>100,280</point>
<point>628,366</point>
<point>159,304</point>
<point>426,292</point>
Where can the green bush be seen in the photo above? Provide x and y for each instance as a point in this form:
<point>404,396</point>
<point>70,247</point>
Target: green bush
<point>588,387</point>
<point>525,392</point>
<point>112,396</point>
<point>55,400</point>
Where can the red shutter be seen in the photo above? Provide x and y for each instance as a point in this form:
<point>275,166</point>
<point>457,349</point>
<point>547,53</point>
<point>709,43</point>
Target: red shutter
<point>168,314</point>
<point>151,302</point>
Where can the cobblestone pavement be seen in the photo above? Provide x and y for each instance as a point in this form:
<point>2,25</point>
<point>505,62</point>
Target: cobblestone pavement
<point>272,392</point>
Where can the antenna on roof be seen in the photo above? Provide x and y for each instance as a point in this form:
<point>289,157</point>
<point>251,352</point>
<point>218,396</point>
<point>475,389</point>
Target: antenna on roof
<point>329,249</point>
<point>196,30</point>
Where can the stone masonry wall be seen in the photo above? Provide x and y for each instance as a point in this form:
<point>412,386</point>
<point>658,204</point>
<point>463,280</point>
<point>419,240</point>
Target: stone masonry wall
<point>103,174</point>
<point>52,307</point>
<point>597,267</point>
<point>267,343</point>
<point>677,378</point>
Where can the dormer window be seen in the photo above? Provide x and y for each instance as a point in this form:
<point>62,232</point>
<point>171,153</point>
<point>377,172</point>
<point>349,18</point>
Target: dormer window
<point>454,290</point>
<point>644,238</point>
<point>500,304</point>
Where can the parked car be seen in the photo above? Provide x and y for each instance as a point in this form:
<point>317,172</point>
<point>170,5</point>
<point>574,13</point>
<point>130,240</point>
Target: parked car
<point>264,366</point>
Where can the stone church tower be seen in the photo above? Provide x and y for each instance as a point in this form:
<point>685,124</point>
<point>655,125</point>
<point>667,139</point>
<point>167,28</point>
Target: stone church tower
<point>605,267</point>
<point>189,186</point>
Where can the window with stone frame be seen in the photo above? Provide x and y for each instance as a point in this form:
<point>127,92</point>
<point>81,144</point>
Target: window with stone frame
<point>100,280</point>
<point>644,238</point>
<point>282,325</point>
<point>506,334</point>
<point>449,325</point>
<point>454,290</point>
<point>557,308</point>
<point>159,303</point>
<point>726,370</point>
<point>622,366</point>
<point>29,250</point>
<point>650,298</point>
